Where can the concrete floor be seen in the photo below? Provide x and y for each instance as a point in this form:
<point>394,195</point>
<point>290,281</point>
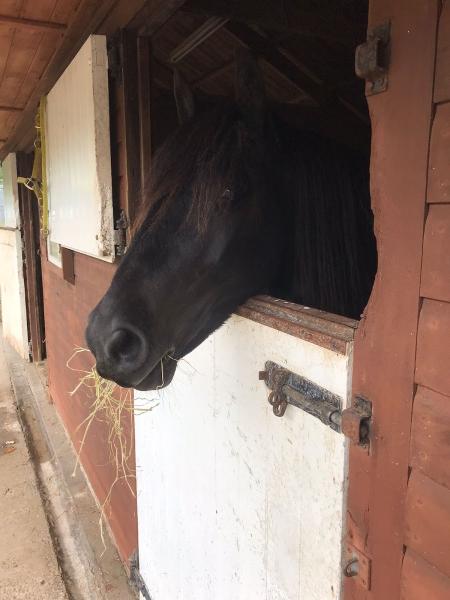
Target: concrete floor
<point>50,543</point>
<point>28,564</point>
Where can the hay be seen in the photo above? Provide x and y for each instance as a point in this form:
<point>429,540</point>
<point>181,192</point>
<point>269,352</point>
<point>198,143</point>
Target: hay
<point>111,405</point>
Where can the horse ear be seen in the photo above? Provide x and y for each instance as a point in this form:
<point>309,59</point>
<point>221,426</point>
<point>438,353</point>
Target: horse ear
<point>184,98</point>
<point>249,87</point>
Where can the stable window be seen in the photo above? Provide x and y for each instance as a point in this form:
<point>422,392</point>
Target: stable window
<point>78,156</point>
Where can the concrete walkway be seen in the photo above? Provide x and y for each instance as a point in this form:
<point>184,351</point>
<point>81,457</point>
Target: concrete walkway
<point>28,564</point>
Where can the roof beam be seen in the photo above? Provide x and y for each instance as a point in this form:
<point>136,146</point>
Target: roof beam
<point>154,15</point>
<point>10,109</point>
<point>31,24</point>
<point>302,78</point>
<point>197,37</point>
<point>89,15</point>
<point>289,17</point>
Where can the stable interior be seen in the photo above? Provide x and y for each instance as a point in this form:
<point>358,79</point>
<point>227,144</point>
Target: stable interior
<point>306,52</point>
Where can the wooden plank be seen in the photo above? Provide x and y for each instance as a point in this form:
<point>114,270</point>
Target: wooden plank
<point>427,529</point>
<point>120,15</point>
<point>385,342</point>
<point>433,347</point>
<point>67,308</point>
<point>130,90</point>
<point>439,173</point>
<point>31,24</point>
<point>436,254</point>
<point>430,440</point>
<point>23,49</point>
<point>145,132</point>
<point>422,581</point>
<point>29,214</point>
<point>85,21</point>
<point>154,15</point>
<point>442,84</point>
<point>290,17</point>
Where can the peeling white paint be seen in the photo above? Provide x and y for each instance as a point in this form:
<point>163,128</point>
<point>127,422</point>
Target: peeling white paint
<point>234,502</point>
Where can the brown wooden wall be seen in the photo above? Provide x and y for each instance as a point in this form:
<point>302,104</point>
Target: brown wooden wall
<point>66,309</point>
<point>402,341</point>
<point>67,306</point>
<point>426,568</point>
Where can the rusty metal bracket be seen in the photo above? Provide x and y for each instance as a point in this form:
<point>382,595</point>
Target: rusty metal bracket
<point>355,421</point>
<point>288,388</point>
<point>372,59</point>
<point>357,566</point>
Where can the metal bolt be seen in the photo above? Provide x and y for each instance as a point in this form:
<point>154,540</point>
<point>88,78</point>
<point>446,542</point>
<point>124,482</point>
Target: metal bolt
<point>351,569</point>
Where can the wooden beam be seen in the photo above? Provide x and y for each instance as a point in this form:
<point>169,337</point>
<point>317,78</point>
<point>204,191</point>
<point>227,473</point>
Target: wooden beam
<point>89,15</point>
<point>197,37</point>
<point>154,15</point>
<point>304,80</point>
<point>31,24</point>
<point>284,16</point>
<point>144,52</point>
<point>10,109</point>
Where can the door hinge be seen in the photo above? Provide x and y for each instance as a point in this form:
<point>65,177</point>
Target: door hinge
<point>372,59</point>
<point>120,234</point>
<point>136,578</point>
<point>289,388</point>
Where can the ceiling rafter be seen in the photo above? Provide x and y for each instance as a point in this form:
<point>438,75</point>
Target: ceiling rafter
<point>32,24</point>
<point>302,78</point>
<point>89,15</point>
<point>10,109</point>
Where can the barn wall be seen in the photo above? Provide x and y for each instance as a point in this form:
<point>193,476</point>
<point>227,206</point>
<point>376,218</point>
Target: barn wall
<point>66,310</point>
<point>67,307</point>
<point>388,335</point>
<point>426,568</point>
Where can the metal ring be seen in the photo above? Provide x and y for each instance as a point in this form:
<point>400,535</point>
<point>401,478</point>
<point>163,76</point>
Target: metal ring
<point>351,568</point>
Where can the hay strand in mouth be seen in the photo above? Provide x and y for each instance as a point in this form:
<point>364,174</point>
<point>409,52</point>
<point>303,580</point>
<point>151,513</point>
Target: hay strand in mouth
<point>111,405</point>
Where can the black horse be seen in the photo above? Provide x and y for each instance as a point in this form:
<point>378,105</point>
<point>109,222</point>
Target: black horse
<point>240,204</point>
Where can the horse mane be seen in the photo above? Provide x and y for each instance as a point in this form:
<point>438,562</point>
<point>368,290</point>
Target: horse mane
<point>200,158</point>
<point>330,259</point>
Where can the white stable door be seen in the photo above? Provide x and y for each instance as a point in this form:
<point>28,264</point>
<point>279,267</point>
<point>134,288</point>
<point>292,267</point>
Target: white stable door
<point>233,502</point>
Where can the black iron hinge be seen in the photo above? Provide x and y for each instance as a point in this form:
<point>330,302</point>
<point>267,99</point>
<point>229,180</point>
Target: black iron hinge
<point>136,578</point>
<point>120,234</point>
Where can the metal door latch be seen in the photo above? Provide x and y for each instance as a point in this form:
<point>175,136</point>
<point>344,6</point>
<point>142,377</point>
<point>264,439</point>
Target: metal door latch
<point>289,388</point>
<point>372,59</point>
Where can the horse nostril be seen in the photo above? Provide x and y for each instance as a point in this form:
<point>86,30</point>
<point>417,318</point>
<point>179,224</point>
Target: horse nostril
<point>124,345</point>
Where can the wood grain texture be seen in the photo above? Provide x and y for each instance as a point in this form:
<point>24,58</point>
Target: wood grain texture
<point>385,343</point>
<point>427,529</point>
<point>436,253</point>
<point>66,310</point>
<point>433,347</point>
<point>422,581</point>
<point>439,173</point>
<point>442,85</point>
<point>430,436</point>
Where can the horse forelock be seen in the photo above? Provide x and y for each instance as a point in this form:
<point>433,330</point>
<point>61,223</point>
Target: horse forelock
<point>204,158</point>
